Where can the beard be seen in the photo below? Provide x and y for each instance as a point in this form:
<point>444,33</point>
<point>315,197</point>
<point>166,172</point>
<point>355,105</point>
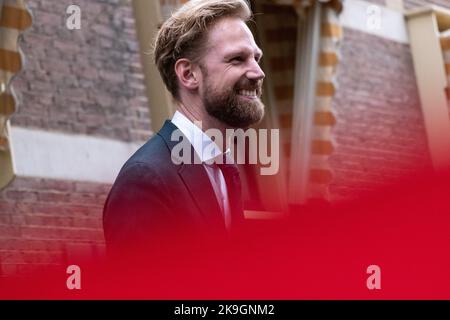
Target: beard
<point>233,109</point>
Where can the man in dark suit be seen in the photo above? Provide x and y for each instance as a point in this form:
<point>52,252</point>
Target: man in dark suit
<point>209,61</point>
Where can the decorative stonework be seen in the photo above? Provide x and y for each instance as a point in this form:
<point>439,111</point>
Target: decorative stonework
<point>321,144</point>
<point>445,44</point>
<point>321,173</point>
<point>14,19</point>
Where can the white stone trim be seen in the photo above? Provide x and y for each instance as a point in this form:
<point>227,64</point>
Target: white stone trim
<point>307,53</point>
<point>392,22</point>
<point>9,36</point>
<point>55,155</point>
<point>431,80</point>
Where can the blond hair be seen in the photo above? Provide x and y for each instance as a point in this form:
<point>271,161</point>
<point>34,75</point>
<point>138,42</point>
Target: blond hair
<point>183,35</point>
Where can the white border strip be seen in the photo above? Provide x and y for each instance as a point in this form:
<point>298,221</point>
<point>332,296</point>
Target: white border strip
<point>55,155</point>
<point>374,19</point>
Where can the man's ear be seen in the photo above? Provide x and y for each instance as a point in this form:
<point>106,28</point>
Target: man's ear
<point>186,73</point>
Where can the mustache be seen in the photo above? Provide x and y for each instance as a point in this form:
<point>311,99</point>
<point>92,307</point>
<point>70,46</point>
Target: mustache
<point>249,85</point>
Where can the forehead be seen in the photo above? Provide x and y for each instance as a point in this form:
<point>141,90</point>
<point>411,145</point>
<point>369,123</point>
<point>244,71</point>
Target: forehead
<point>231,34</point>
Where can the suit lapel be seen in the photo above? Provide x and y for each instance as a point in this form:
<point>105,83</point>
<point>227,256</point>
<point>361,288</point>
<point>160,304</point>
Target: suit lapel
<point>196,180</point>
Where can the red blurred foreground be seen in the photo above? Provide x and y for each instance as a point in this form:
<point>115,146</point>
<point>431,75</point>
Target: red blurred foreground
<point>320,253</point>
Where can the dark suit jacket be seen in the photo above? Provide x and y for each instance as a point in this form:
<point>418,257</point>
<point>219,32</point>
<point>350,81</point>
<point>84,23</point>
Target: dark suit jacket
<point>154,200</point>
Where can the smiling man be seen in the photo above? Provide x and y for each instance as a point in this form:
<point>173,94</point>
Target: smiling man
<point>209,61</point>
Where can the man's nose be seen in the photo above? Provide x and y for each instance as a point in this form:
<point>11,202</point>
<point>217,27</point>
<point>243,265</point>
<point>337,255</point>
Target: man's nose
<point>255,72</point>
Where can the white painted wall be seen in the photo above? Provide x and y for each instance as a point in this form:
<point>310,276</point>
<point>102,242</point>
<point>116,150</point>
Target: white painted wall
<point>55,155</point>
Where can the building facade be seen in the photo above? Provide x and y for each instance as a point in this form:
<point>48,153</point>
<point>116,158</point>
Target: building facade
<point>358,98</point>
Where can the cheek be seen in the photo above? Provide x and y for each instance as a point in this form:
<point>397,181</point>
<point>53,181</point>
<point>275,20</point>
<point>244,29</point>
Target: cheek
<point>227,76</point>
<point>229,81</point>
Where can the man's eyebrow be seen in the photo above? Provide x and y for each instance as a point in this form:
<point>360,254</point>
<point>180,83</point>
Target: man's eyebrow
<point>236,52</point>
<point>240,51</point>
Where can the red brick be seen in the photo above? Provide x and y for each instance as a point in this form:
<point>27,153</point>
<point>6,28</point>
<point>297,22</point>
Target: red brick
<point>53,197</point>
<point>380,131</point>
<point>7,207</point>
<point>85,199</point>
<point>68,65</point>
<point>21,195</point>
<point>89,187</point>
<point>34,232</point>
<point>8,231</point>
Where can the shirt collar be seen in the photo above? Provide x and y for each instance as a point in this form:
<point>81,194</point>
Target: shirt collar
<point>205,148</point>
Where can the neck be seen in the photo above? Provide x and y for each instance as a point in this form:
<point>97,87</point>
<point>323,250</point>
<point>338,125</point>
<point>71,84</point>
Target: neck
<point>199,114</point>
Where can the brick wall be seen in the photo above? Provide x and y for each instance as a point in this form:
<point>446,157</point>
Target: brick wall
<point>380,134</point>
<point>380,131</point>
<point>81,82</point>
<point>87,81</point>
<point>43,222</point>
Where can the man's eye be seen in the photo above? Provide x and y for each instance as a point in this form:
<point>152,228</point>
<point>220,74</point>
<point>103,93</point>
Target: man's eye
<point>237,59</point>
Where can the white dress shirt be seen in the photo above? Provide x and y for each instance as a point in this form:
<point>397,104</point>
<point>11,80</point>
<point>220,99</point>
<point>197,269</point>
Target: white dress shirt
<point>201,143</point>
